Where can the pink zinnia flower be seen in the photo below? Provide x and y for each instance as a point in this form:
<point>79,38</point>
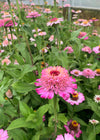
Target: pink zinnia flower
<point>47,10</point>
<point>76,98</point>
<point>51,38</point>
<point>96,49</point>
<point>42,33</point>
<point>66,137</point>
<point>97,98</point>
<point>6,43</point>
<point>88,73</point>
<point>97,72</point>
<point>55,80</point>
<point>82,34</point>
<point>3,134</point>
<point>6,60</point>
<point>67,5</point>
<point>54,21</point>
<point>1,51</point>
<point>85,23</point>
<point>99,87</point>
<point>76,72</point>
<point>94,19</point>
<point>33,14</point>
<point>73,128</point>
<point>7,22</point>
<point>12,37</point>
<point>87,49</point>
<point>69,49</point>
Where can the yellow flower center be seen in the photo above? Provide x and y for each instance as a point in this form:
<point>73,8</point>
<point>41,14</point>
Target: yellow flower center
<point>98,71</point>
<point>74,123</point>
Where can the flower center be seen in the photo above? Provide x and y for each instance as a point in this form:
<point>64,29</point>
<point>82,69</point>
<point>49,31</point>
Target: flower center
<point>73,125</point>
<point>74,96</point>
<point>85,22</point>
<point>53,19</point>
<point>54,72</point>
<point>93,18</point>
<point>98,71</point>
<point>98,98</point>
<point>76,72</point>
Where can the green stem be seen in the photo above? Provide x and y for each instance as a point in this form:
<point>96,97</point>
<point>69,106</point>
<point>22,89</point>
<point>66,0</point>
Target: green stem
<point>55,113</point>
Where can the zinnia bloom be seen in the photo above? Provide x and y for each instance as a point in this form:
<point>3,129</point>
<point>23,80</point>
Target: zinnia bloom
<point>97,98</point>
<point>54,21</point>
<point>87,49</point>
<point>76,72</point>
<point>55,80</point>
<point>88,73</point>
<point>73,127</point>
<point>93,121</point>
<point>66,137</point>
<point>33,14</point>
<point>97,72</point>
<point>3,134</point>
<point>6,60</point>
<point>96,49</point>
<point>76,98</point>
<point>7,22</point>
<point>82,34</point>
<point>69,49</point>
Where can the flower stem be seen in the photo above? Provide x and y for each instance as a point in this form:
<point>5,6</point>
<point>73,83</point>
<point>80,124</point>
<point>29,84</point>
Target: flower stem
<point>55,113</point>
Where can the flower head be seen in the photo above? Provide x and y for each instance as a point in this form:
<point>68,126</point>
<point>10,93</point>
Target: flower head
<point>97,72</point>
<point>69,49</point>
<point>66,137</point>
<point>96,49</point>
<point>3,134</point>
<point>83,34</point>
<point>55,80</point>
<point>97,98</point>
<point>76,72</point>
<point>87,49</point>
<point>73,127</point>
<point>88,73</point>
<point>33,14</point>
<point>54,21</point>
<point>93,121</point>
<point>76,98</point>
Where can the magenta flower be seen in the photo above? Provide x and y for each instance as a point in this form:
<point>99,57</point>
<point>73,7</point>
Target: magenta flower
<point>73,128</point>
<point>66,137</point>
<point>54,21</point>
<point>7,22</point>
<point>76,98</point>
<point>96,49</point>
<point>88,73</point>
<point>69,49</point>
<point>99,87</point>
<point>55,80</point>
<point>33,14</point>
<point>82,34</point>
<point>76,72</point>
<point>3,134</point>
<point>87,49</point>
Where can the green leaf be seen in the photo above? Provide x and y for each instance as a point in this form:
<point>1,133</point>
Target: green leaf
<point>23,87</point>
<point>20,122</point>
<point>24,109</point>
<point>62,118</point>
<point>74,34</point>
<point>97,129</point>
<point>1,74</point>
<point>91,136</point>
<point>17,134</point>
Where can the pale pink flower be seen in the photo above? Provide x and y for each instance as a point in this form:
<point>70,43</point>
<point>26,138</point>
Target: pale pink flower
<point>33,14</point>
<point>55,80</point>
<point>76,98</point>
<point>73,127</point>
<point>67,5</point>
<point>16,62</point>
<point>88,73</point>
<point>69,49</point>
<point>3,134</point>
<point>97,98</point>
<point>96,49</point>
<point>1,51</point>
<point>85,23</point>
<point>97,72</point>
<point>66,137</point>
<point>93,121</point>
<point>42,33</point>
<point>51,38</point>
<point>56,42</point>
<point>6,43</point>
<point>32,39</point>
<point>99,87</point>
<point>12,37</point>
<point>35,35</point>
<point>36,30</point>
<point>78,11</point>
<point>6,60</point>
<point>9,94</point>
<point>32,4</point>
<point>47,10</point>
<point>76,72</point>
<point>94,19</point>
<point>54,21</point>
<point>83,34</point>
<point>87,49</point>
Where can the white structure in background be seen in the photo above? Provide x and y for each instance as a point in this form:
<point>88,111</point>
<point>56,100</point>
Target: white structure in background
<point>87,4</point>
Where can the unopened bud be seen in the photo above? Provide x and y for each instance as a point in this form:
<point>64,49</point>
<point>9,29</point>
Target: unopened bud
<point>9,93</point>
